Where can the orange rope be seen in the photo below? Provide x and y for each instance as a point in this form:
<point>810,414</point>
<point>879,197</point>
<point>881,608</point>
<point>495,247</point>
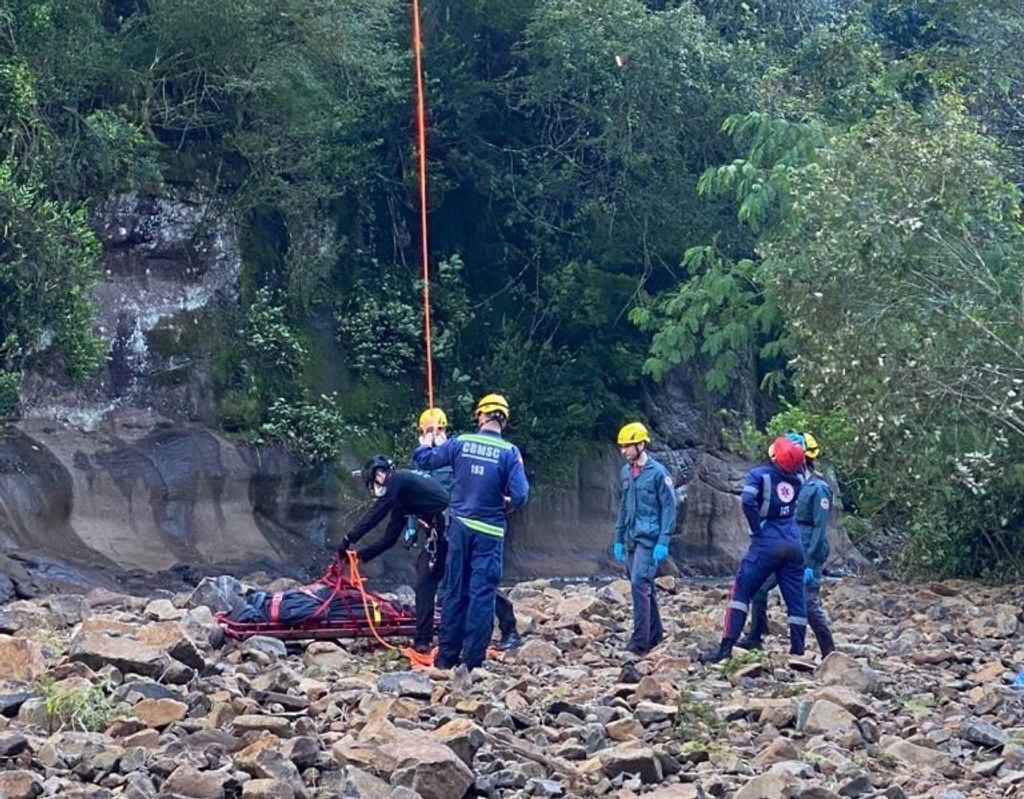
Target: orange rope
<point>421,132</point>
<point>415,658</point>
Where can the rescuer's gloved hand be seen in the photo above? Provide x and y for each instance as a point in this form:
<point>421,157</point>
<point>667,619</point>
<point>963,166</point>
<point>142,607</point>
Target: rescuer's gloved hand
<point>619,552</point>
<point>660,553</point>
<point>808,575</point>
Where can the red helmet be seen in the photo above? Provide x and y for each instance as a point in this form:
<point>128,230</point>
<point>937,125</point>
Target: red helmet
<point>786,454</point>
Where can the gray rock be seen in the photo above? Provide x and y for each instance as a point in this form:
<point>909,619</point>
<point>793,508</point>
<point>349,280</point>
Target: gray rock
<point>139,786</point>
<point>433,770</point>
<point>136,690</point>
<point>498,718</point>
<point>220,594</point>
<point>544,788</point>
<point>8,623</point>
<point>302,750</point>
<point>19,784</point>
<point>406,683</point>
<point>462,736</point>
<point>858,786</point>
<point>628,760</point>
<point>188,781</point>
<point>267,789</point>
<point>12,745</point>
<point>354,783</point>
<point>982,733</point>
<point>264,644</point>
<point>97,649</point>
<point>10,703</point>
<point>508,778</point>
<point>648,713</point>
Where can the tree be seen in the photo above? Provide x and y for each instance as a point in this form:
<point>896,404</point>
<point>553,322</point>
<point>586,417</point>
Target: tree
<point>47,266</point>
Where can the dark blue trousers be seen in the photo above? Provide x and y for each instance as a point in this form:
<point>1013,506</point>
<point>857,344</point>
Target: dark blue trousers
<point>467,606</point>
<point>647,630</point>
<point>770,555</point>
<point>817,618</point>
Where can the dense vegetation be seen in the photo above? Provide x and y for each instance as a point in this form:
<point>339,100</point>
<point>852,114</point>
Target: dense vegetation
<point>823,195</point>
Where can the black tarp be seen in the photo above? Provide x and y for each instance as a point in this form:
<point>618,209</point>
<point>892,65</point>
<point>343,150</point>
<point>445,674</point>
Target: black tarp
<point>300,605</point>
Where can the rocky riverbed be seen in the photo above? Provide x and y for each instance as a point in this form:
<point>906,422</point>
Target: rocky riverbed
<point>106,695</point>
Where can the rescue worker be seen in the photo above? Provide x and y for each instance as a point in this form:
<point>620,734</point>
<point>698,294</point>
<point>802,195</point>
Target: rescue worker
<point>435,419</point>
<point>403,493</point>
<point>769,505</point>
<point>813,507</point>
<point>489,481</point>
<point>647,518</point>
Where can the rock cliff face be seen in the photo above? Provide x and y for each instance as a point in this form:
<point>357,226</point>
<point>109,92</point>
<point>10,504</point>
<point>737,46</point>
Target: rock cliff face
<point>140,494</point>
<point>127,473</point>
<point>165,260</point>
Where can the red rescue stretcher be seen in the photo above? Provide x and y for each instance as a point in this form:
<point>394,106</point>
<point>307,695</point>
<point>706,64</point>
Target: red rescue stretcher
<point>379,618</point>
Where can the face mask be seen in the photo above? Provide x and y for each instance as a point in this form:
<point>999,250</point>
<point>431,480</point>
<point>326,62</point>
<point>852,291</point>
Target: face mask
<point>379,490</point>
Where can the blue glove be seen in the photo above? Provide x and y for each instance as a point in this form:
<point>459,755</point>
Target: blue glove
<point>619,552</point>
<point>410,532</point>
<point>808,575</point>
<point>660,553</point>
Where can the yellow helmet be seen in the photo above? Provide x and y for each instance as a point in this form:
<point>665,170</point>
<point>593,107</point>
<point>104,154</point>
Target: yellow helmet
<point>492,403</point>
<point>432,418</point>
<point>633,433</point>
<point>813,447</point>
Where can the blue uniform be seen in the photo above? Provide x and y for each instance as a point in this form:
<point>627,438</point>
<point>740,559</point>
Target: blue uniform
<point>486,469</point>
<point>647,517</point>
<point>769,505</point>
<point>813,507</point>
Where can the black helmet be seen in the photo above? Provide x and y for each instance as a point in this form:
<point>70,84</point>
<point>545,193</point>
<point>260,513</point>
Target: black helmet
<point>372,465</point>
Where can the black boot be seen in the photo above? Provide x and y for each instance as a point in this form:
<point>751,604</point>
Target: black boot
<point>722,652</point>
<point>750,643</point>
<point>510,641</point>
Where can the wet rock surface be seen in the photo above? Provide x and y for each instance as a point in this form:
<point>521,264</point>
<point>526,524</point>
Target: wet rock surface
<point>114,695</point>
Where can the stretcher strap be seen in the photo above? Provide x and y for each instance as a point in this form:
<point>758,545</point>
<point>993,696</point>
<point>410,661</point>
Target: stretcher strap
<point>415,658</point>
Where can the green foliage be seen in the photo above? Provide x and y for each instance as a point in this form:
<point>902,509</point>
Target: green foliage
<point>316,429</point>
<point>696,724</point>
<point>85,710</point>
<point>275,348</point>
<point>10,384</point>
<point>47,266</point>
<point>737,662</point>
<point>820,194</point>
<point>450,307</point>
<point>381,327</point>
<point>715,318</point>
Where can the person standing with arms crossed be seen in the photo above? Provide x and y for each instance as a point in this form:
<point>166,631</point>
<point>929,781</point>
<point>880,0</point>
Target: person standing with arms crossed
<point>488,482</point>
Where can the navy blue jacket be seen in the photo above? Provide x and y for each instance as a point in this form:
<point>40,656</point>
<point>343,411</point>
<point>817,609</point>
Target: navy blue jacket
<point>769,501</point>
<point>486,468</point>
<point>647,506</point>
